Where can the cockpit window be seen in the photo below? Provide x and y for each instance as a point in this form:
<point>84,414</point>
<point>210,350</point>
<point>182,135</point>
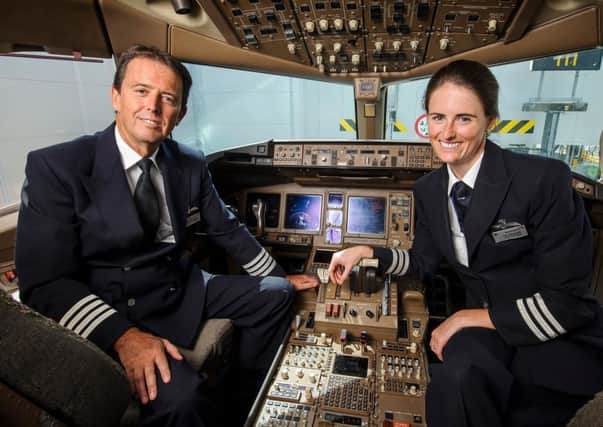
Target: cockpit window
<point>550,107</point>
<point>47,99</point>
<point>229,108</point>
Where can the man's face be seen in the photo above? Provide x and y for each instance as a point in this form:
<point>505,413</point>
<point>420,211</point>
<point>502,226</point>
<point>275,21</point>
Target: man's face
<point>149,104</point>
<point>457,126</point>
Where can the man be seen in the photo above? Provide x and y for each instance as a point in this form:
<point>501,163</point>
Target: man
<point>101,245</point>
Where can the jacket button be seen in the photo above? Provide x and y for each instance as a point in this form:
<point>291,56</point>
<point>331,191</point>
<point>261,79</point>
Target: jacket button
<point>131,302</point>
<point>168,258</point>
<point>485,305</point>
<point>127,268</point>
<point>172,289</point>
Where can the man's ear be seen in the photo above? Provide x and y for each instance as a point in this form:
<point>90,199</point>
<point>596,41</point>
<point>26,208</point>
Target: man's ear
<point>115,98</point>
<point>181,115</point>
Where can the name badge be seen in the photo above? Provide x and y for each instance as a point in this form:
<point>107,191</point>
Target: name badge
<point>503,231</point>
<point>193,216</point>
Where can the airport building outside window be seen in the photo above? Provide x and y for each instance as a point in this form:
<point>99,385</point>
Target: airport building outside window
<point>549,106</point>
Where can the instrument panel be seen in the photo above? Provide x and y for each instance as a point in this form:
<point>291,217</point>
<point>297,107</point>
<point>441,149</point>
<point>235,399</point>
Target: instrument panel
<point>354,36</point>
<point>354,155</point>
<point>330,217</point>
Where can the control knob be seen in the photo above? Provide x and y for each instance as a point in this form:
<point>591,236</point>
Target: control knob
<point>336,47</point>
<point>355,59</point>
<point>353,25</point>
<point>397,44</point>
<point>323,24</point>
<point>309,26</point>
<point>338,24</point>
<point>492,25</point>
<point>379,46</point>
<point>444,43</point>
<point>414,44</point>
<point>291,48</point>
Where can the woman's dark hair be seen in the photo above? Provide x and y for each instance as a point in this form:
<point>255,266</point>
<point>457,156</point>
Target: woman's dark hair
<point>139,51</point>
<point>472,75</point>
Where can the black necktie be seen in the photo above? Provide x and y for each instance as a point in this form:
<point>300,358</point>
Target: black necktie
<point>146,200</point>
<point>461,197</point>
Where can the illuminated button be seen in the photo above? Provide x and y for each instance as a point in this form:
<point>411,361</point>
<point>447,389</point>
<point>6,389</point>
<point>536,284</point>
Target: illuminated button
<point>444,43</point>
<point>414,44</point>
<point>353,25</point>
<point>379,46</point>
<point>291,48</point>
<point>338,24</point>
<point>337,47</point>
<point>397,44</point>
<point>309,25</point>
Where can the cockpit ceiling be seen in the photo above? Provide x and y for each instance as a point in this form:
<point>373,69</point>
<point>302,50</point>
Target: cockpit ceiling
<point>337,39</point>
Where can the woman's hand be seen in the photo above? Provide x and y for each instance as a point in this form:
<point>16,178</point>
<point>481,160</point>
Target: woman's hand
<point>459,320</point>
<point>343,261</point>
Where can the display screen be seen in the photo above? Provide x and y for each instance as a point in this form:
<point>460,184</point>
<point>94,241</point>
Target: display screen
<point>350,365</point>
<point>335,200</point>
<point>366,215</point>
<point>302,212</point>
<point>272,202</point>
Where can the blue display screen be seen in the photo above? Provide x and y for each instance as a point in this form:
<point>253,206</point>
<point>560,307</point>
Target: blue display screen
<point>366,215</point>
<point>302,212</point>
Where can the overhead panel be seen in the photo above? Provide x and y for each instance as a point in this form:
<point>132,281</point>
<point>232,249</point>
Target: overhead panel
<point>341,37</point>
<point>266,26</point>
<point>460,26</point>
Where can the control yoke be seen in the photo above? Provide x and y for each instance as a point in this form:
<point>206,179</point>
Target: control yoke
<point>259,211</point>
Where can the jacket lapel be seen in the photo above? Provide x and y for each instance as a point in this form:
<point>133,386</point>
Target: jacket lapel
<point>109,190</point>
<point>437,206</point>
<point>490,190</point>
<point>176,187</point>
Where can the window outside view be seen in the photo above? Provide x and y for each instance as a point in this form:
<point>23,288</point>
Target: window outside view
<point>48,101</point>
<point>229,108</point>
<point>550,107</point>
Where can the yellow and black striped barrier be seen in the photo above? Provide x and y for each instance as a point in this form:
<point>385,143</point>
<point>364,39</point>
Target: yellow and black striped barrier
<point>347,125</point>
<point>514,126</point>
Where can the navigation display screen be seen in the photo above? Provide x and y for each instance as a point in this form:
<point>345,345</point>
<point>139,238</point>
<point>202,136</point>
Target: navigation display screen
<point>272,203</point>
<point>366,215</point>
<point>302,212</point>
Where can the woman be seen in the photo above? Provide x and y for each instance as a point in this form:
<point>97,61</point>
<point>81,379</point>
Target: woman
<point>527,349</point>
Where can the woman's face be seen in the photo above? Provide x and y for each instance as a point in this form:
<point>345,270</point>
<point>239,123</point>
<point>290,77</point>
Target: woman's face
<point>457,126</point>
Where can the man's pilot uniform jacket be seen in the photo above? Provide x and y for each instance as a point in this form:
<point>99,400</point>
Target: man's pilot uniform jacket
<point>535,285</point>
<point>81,253</point>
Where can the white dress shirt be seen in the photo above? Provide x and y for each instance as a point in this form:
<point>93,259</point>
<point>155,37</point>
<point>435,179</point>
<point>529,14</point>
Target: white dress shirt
<point>129,158</point>
<point>458,237</point>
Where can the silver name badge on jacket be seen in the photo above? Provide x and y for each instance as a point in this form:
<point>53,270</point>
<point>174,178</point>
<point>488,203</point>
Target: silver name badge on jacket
<point>193,216</point>
<point>503,231</point>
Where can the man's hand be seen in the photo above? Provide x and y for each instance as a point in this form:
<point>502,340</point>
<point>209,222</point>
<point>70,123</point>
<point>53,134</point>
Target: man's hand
<point>302,282</point>
<point>343,261</point>
<point>139,353</point>
<point>459,320</point>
